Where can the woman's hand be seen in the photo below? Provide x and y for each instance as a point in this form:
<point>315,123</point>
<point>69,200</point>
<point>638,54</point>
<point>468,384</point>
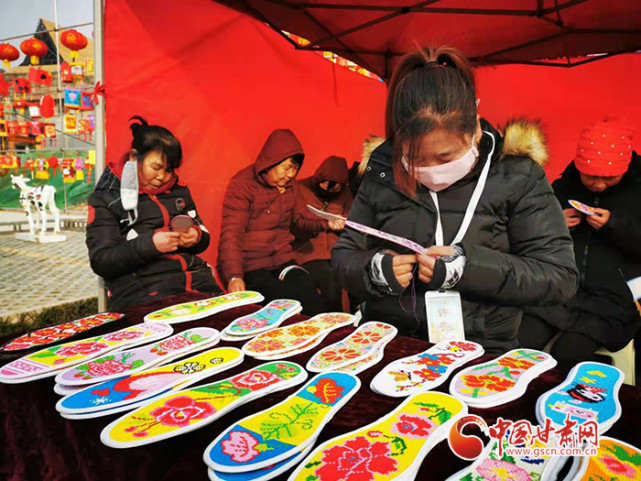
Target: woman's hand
<point>336,224</point>
<point>236,285</point>
<point>572,217</point>
<point>403,266</point>
<point>599,220</point>
<point>189,238</point>
<point>427,259</point>
<point>166,241</point>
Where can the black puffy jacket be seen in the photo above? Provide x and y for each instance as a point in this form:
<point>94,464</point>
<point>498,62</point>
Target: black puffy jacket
<point>518,248</point>
<point>125,255</point>
<point>603,308</point>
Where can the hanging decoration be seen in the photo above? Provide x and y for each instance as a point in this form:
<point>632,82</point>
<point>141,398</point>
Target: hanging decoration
<point>71,124</point>
<point>35,49</point>
<point>47,106</point>
<point>74,41</point>
<point>8,53</point>
<point>4,88</point>
<point>65,73</point>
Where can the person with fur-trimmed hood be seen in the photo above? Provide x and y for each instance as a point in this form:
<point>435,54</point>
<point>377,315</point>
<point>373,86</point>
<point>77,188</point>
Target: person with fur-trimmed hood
<point>606,176</point>
<point>478,201</point>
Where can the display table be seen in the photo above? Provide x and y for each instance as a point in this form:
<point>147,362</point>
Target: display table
<point>38,444</point>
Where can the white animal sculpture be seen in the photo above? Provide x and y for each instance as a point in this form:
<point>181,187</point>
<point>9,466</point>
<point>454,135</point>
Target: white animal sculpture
<point>40,198</point>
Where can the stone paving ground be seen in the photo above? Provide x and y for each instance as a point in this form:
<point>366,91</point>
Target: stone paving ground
<point>34,276</point>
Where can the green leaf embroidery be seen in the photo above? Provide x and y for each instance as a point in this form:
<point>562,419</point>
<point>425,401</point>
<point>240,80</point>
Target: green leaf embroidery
<point>313,464</point>
<point>137,364</point>
<point>196,338</point>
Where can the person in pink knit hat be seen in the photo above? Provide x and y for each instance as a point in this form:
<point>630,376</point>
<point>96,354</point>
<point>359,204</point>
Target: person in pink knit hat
<point>600,194</point>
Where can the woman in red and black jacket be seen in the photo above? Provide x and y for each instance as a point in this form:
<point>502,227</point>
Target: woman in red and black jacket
<point>130,241</point>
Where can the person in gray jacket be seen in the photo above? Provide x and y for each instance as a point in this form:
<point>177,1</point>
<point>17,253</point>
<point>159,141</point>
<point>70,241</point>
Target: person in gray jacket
<point>440,162</point>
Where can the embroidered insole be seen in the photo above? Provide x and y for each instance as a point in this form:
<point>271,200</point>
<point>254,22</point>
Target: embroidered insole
<point>290,337</point>
<point>294,352</point>
<point>131,361</point>
<point>393,447</point>
<point>283,430</point>
<point>187,410</point>
<point>501,380</point>
<point>190,311</point>
<point>361,343</point>
<point>49,361</point>
<point>269,317</point>
<point>136,388</point>
<point>424,371</point>
<point>364,363</point>
<point>48,335</point>
<point>615,460</point>
<point>589,393</point>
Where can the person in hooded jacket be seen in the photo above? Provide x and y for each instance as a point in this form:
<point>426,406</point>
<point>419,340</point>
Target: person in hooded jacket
<point>605,175</point>
<point>326,190</point>
<point>255,247</point>
<point>131,243</point>
<point>478,201</point>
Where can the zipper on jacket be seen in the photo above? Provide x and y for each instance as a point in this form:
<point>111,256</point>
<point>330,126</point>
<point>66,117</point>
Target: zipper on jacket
<point>586,250</point>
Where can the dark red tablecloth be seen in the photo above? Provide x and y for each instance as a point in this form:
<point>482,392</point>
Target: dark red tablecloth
<point>36,443</point>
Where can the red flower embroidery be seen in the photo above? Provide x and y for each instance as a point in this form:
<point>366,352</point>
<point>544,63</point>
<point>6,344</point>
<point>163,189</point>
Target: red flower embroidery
<point>48,332</point>
<point>487,381</point>
<point>513,363</point>
<point>240,446</point>
<point>367,337</point>
<point>81,349</point>
<point>255,380</point>
<point>181,410</point>
<point>340,354</point>
<point>123,336</point>
<point>463,346</point>
<point>304,331</point>
<point>173,344</point>
<point>428,374</point>
<point>327,390</point>
<point>92,322</point>
<point>68,326</point>
<point>356,460</point>
<point>413,427</point>
<point>106,368</point>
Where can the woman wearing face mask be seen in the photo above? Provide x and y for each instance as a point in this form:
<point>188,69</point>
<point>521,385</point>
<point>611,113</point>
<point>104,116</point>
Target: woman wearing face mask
<point>130,240</point>
<point>254,250</point>
<point>326,190</point>
<point>477,200</point>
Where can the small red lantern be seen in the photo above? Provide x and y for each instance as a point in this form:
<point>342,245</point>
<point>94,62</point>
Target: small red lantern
<point>74,41</point>
<point>35,49</point>
<point>8,53</point>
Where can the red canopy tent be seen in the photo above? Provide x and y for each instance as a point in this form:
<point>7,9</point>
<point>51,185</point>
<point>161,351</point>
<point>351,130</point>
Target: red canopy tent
<point>374,33</point>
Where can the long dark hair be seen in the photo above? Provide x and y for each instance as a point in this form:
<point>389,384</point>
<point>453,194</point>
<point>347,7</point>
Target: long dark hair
<point>431,88</point>
<point>154,138</point>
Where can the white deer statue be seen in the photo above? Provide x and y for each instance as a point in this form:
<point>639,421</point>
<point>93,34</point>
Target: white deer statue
<point>41,198</point>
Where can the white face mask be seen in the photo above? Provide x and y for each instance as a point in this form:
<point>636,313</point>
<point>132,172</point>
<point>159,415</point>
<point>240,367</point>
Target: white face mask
<point>129,189</point>
<point>438,177</point>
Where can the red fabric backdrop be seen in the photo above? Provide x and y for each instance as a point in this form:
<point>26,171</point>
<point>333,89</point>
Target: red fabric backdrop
<point>221,81</point>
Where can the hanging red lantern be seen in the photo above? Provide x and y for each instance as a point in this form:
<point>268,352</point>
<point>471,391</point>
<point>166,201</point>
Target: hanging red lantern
<point>74,41</point>
<point>35,49</point>
<point>8,53</point>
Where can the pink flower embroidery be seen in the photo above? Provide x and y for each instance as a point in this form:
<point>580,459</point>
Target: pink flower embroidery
<point>106,368</point>
<point>617,467</point>
<point>250,323</point>
<point>123,336</point>
<point>413,427</point>
<point>493,470</point>
<point>240,446</point>
<point>81,349</point>
<point>356,460</point>
<point>181,410</point>
<point>175,343</point>
<point>255,379</point>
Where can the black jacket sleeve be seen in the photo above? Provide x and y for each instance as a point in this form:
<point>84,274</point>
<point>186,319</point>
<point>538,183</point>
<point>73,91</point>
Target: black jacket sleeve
<point>353,252</point>
<point>205,237</point>
<point>623,229</point>
<point>541,268</point>
<point>110,254</point>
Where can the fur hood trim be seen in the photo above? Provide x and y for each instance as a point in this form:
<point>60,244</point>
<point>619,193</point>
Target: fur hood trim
<point>524,138</point>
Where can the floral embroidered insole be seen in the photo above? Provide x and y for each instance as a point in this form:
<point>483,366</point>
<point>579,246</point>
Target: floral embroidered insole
<point>290,337</point>
<point>49,361</point>
<point>186,410</point>
<point>135,388</point>
<point>500,380</point>
<point>48,335</point>
<point>269,317</point>
<point>589,393</point>
<point>190,311</point>
<point>294,352</point>
<point>424,371</point>
<point>615,460</point>
<point>131,361</point>
<point>389,448</point>
<point>283,430</point>
<point>361,343</point>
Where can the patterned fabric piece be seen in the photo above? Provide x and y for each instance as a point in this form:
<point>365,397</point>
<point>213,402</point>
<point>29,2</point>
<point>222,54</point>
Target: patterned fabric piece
<point>136,388</point>
<point>267,318</point>
<point>293,336</point>
<point>285,429</point>
<point>190,311</point>
<point>49,335</point>
<point>180,412</point>
<point>135,360</point>
<point>362,343</point>
<point>390,448</point>
<point>53,359</point>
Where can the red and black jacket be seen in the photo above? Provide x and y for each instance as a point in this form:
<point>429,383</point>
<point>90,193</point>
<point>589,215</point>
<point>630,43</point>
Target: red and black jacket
<point>125,256</point>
